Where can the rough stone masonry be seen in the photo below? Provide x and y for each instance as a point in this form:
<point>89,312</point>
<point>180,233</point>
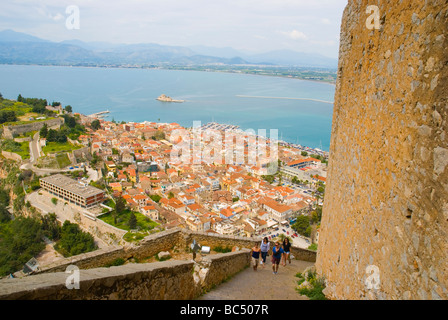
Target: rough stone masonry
<point>384,231</point>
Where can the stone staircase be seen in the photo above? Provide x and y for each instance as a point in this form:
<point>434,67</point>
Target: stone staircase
<point>261,284</point>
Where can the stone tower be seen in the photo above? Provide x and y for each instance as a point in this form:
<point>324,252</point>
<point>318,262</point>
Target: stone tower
<point>384,231</point>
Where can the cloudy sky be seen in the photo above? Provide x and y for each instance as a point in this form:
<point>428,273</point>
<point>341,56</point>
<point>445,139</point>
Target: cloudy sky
<point>253,26</point>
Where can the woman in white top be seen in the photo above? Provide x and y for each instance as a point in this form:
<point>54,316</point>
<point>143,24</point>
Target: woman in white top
<point>264,250</point>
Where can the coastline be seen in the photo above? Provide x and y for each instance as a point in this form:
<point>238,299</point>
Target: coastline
<point>167,69</point>
<point>116,116</point>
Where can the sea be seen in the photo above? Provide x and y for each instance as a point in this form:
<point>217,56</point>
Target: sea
<point>301,111</point>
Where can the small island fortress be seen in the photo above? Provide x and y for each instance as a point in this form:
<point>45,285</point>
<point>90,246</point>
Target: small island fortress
<point>165,98</point>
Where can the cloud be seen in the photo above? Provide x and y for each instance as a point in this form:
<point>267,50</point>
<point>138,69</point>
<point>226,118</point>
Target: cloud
<point>58,17</point>
<point>296,35</point>
<point>258,25</point>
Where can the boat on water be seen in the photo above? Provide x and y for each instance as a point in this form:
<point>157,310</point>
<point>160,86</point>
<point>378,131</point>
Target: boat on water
<point>165,98</point>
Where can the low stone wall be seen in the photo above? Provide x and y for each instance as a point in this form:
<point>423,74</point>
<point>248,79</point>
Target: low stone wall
<point>23,139</point>
<point>219,267</point>
<point>165,241</point>
<point>9,132</point>
<point>104,231</point>
<point>169,280</point>
<point>94,259</point>
<point>11,156</point>
<point>212,240</point>
<point>155,243</point>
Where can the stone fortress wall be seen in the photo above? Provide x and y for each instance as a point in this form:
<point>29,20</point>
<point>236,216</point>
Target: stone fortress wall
<point>162,280</point>
<point>9,132</point>
<point>163,241</point>
<point>384,231</point>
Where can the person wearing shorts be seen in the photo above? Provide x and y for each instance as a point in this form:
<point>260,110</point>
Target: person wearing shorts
<point>255,256</point>
<point>264,251</point>
<point>286,249</point>
<point>277,252</point>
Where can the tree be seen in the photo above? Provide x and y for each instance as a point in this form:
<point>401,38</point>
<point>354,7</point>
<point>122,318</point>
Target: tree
<point>159,135</point>
<point>120,206</point>
<point>69,121</point>
<point>68,108</point>
<point>95,124</point>
<point>4,198</point>
<point>21,239</point>
<point>268,178</point>
<point>170,195</point>
<point>7,116</point>
<point>304,153</point>
<point>4,215</point>
<point>74,241</point>
<point>132,222</point>
<point>51,135</point>
<point>43,131</point>
<point>302,224</point>
<point>281,237</point>
<point>51,227</point>
<point>316,215</point>
<point>155,197</point>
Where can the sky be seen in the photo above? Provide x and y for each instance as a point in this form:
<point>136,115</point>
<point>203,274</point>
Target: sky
<point>251,26</point>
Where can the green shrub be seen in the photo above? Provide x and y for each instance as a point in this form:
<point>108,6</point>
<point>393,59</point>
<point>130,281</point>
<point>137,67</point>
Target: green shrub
<point>117,262</point>
<point>222,249</point>
<point>317,286</point>
<point>74,241</point>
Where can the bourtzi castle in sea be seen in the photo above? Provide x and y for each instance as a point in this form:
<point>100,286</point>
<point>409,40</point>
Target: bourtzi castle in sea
<point>165,98</point>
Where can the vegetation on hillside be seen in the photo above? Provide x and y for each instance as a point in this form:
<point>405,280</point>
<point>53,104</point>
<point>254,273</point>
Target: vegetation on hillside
<point>311,285</point>
<point>21,148</point>
<point>20,240</point>
<point>74,241</point>
<point>124,218</point>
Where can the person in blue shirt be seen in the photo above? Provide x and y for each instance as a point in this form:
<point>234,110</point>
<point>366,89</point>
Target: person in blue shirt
<point>255,256</point>
<point>277,252</point>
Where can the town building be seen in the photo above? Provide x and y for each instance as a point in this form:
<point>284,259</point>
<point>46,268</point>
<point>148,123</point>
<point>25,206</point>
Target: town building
<point>72,191</point>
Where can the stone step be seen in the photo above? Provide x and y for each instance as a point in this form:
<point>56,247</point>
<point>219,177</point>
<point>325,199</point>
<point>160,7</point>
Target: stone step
<point>261,284</point>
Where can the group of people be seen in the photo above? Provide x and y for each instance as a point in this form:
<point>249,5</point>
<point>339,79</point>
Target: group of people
<point>280,254</point>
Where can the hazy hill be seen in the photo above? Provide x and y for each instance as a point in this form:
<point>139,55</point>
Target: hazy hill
<point>21,48</point>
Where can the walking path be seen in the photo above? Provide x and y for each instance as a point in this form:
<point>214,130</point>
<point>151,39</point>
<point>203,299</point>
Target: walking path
<point>261,284</point>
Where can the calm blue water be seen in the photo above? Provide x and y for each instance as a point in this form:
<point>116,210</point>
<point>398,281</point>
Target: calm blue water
<point>130,96</point>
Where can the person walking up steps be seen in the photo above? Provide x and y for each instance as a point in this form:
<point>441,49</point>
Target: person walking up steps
<point>277,252</point>
<point>264,251</point>
<point>255,256</point>
<point>286,254</point>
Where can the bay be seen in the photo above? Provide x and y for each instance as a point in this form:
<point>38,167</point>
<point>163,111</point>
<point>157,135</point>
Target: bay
<point>230,98</point>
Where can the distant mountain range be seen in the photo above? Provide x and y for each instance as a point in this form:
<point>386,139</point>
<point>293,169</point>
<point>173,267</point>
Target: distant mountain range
<point>21,48</point>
